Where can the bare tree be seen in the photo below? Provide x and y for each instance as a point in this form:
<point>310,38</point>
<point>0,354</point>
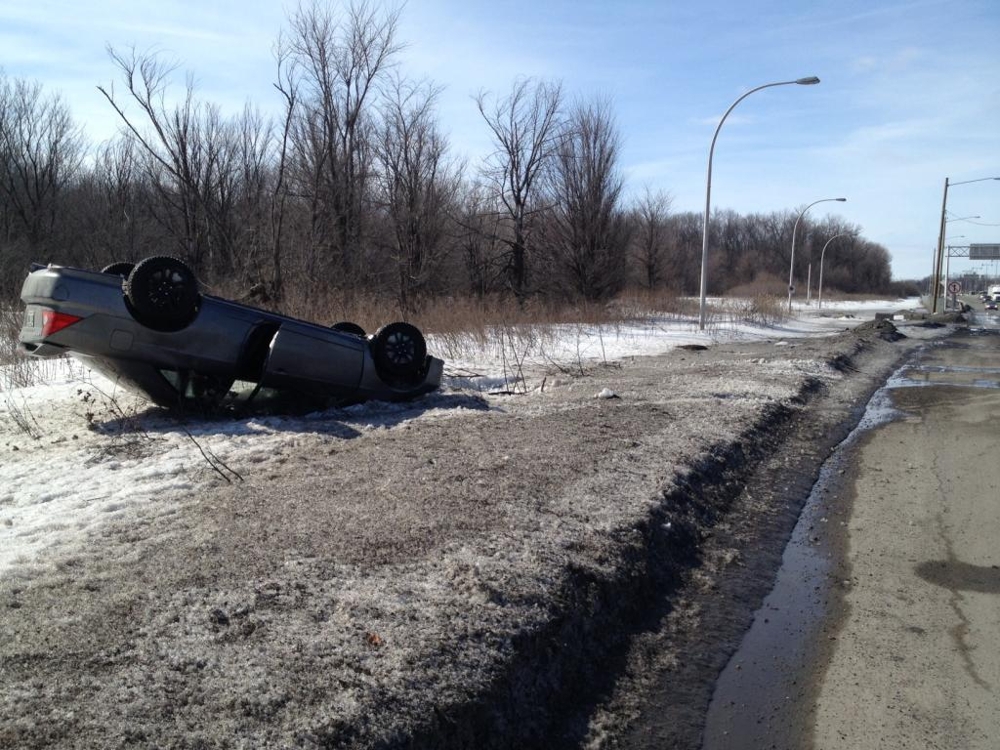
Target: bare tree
<point>117,175</point>
<point>733,248</point>
<point>107,210</point>
<point>683,257</point>
<point>416,187</point>
<point>587,234</point>
<point>287,86</point>
<point>478,239</point>
<point>338,64</point>
<point>208,173</point>
<point>525,128</point>
<point>852,264</point>
<point>356,170</point>
<point>175,147</point>
<point>41,151</point>
<point>774,231</point>
<point>649,242</point>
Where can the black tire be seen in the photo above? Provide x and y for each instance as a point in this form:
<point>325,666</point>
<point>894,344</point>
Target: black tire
<point>345,327</point>
<point>122,269</point>
<point>399,351</point>
<point>208,391</point>
<point>163,293</point>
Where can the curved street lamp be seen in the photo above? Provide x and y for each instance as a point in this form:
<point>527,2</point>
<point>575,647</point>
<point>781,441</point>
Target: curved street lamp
<point>809,81</point>
<point>936,270</point>
<point>819,303</point>
<point>791,265</point>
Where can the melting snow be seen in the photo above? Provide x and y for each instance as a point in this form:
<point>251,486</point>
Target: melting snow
<point>76,451</point>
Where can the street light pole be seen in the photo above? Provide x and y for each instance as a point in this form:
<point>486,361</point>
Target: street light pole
<point>809,81</point>
<point>819,303</point>
<point>791,265</point>
<point>936,271</point>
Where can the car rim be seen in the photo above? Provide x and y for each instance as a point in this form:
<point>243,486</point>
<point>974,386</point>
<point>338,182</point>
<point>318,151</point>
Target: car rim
<point>167,289</point>
<point>399,348</point>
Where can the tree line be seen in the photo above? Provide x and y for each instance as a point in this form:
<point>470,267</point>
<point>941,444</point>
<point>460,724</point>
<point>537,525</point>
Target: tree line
<point>353,188</point>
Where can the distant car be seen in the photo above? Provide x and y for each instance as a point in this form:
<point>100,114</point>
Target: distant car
<point>150,327</point>
<point>990,306</point>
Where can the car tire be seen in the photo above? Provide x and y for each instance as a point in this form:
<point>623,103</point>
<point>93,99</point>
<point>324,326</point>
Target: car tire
<point>122,269</point>
<point>208,391</point>
<point>162,293</point>
<point>399,351</point>
<point>345,327</point>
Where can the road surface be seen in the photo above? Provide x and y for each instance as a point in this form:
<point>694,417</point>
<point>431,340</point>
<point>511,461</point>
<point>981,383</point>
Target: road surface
<point>905,531</point>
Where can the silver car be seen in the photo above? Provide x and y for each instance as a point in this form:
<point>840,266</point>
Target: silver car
<point>149,327</point>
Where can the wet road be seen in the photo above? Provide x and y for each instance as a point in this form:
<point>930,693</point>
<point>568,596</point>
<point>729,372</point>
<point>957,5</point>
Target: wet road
<point>881,629</point>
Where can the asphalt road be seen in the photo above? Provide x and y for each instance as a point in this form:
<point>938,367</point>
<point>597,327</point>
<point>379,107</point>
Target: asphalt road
<point>905,530</point>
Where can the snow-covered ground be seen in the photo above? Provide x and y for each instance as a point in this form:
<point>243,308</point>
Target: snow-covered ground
<point>77,451</point>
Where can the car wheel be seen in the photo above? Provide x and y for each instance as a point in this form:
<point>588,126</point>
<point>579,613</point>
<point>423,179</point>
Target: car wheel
<point>399,350</point>
<point>208,390</point>
<point>163,293</point>
<point>122,269</point>
<point>345,327</point>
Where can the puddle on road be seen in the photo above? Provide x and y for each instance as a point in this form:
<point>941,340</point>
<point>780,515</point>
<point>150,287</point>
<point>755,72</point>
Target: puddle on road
<point>771,666</point>
<point>920,375</point>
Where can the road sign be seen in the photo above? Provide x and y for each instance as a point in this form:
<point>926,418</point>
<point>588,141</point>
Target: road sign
<point>954,287</point>
<point>984,252</point>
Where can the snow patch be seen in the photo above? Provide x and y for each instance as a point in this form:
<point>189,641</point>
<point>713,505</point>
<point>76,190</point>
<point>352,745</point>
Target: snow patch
<point>76,450</point>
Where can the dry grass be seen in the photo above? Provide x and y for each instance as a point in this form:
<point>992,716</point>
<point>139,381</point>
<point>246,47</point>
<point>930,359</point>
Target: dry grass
<point>454,314</point>
<point>764,285</point>
<point>835,295</point>
<point>486,323</point>
<point>509,330</point>
<point>10,324</point>
<point>761,309</point>
<point>15,370</point>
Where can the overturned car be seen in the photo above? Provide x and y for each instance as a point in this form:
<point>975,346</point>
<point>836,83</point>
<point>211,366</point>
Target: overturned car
<point>149,327</point>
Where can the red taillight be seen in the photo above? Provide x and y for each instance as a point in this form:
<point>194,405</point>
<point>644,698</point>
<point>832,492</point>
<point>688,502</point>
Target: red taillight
<point>53,322</point>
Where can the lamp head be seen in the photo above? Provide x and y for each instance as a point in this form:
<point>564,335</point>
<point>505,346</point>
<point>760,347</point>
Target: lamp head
<point>842,200</point>
<point>813,80</point>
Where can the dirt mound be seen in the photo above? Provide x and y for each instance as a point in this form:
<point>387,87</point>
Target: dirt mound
<point>884,329</point>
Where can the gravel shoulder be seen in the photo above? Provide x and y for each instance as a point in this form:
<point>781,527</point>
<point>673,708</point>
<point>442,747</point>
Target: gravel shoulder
<point>488,571</point>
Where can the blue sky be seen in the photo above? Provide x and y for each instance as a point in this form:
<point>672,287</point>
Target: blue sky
<point>910,91</point>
